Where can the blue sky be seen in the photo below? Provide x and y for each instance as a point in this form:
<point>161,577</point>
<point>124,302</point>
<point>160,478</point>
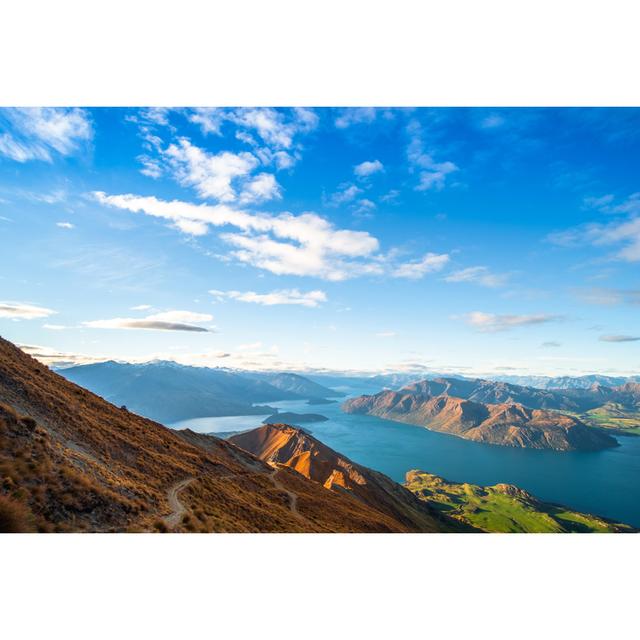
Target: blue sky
<point>482,241</point>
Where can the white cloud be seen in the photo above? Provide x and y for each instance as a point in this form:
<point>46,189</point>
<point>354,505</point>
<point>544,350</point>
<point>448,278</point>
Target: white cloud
<point>306,244</point>
<point>355,115</point>
<point>490,322</point>
<point>141,307</point>
<point>478,275</point>
<point>37,133</point>
<point>263,187</point>
<point>211,175</point>
<point>624,232</point>
<point>417,269</point>
<point>346,193</point>
<point>165,321</point>
<point>49,356</point>
<point>431,174</point>
<point>22,311</point>
<point>65,225</point>
<point>273,126</point>
<point>364,207</point>
<point>54,327</point>
<point>368,168</point>
<point>284,244</point>
<point>276,127</point>
<point>386,334</point>
<point>209,119</point>
<point>280,297</point>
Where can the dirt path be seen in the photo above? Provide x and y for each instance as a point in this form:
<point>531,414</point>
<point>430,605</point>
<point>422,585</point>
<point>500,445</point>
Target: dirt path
<point>293,497</point>
<point>177,508</point>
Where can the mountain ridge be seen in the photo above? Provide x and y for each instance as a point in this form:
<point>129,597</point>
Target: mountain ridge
<point>507,423</point>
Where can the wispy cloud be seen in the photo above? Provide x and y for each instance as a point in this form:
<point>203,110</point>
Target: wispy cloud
<point>490,322</point>
<point>551,344</point>
<point>165,321</point>
<point>607,296</point>
<point>368,168</point>
<point>623,232</point>
<point>65,225</point>
<point>619,338</point>
<point>386,334</point>
<point>276,128</point>
<point>345,194</point>
<point>417,269</point>
<point>23,311</point>
<point>479,275</point>
<point>431,174</point>
<point>355,115</point>
<point>306,244</point>
<point>40,133</point>
<point>280,297</point>
<point>50,356</point>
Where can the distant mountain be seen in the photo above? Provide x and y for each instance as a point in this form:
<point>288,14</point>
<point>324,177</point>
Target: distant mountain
<point>294,383</point>
<point>567,382</point>
<point>483,412</point>
<point>380,381</point>
<point>71,461</point>
<point>575,400</point>
<point>504,508</point>
<point>284,445</point>
<point>168,392</point>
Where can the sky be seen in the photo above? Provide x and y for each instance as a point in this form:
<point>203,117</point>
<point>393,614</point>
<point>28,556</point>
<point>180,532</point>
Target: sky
<point>481,241</point>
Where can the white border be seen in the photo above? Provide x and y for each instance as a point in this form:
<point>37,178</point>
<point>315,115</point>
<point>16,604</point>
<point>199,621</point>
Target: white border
<point>322,586</point>
<point>462,52</point>
<point>335,52</point>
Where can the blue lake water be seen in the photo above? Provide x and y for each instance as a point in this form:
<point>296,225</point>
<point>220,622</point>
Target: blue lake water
<point>602,482</point>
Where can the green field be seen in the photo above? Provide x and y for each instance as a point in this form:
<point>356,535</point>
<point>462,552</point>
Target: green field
<point>613,416</point>
<point>504,508</point>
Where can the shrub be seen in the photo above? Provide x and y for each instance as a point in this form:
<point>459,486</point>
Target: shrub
<point>15,517</point>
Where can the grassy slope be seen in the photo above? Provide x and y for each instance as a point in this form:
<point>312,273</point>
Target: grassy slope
<point>611,416</point>
<point>504,508</point>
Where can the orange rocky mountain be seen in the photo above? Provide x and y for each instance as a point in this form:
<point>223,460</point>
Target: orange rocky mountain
<point>70,461</point>
<point>286,446</point>
<point>509,424</point>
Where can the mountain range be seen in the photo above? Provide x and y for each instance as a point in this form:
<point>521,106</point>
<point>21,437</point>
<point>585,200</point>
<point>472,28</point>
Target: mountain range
<point>169,392</point>
<point>567,382</point>
<point>71,461</point>
<point>496,412</point>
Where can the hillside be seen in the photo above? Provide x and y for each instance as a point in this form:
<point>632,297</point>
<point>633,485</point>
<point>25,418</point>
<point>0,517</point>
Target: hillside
<point>296,449</point>
<point>168,392</point>
<point>70,461</point>
<point>507,424</point>
<point>504,508</point>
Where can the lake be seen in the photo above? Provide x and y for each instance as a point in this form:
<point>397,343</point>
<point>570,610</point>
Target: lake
<point>602,482</point>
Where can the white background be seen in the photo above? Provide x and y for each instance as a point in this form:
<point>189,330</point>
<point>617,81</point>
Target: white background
<point>485,52</point>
